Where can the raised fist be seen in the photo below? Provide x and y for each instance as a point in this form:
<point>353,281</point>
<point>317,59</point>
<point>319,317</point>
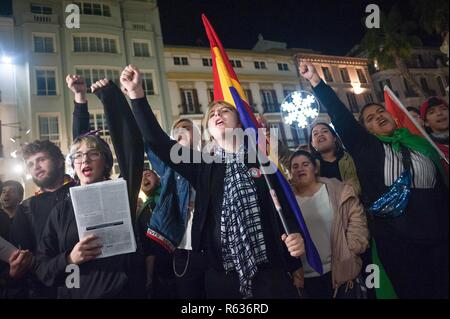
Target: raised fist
<point>131,82</point>
<point>77,85</point>
<point>309,72</point>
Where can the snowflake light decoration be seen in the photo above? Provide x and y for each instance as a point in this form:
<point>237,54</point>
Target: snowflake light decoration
<point>300,109</point>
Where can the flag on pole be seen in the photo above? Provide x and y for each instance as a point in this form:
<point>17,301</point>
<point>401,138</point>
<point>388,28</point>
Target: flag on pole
<point>227,88</point>
<point>404,119</point>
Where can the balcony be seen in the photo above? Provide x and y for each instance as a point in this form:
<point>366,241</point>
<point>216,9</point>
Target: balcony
<point>41,18</point>
<point>190,108</point>
<point>271,107</point>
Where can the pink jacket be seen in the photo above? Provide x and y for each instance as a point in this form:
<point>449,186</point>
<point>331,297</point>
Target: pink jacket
<point>349,232</point>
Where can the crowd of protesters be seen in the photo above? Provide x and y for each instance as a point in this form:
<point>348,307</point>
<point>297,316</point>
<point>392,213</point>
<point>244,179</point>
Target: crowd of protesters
<point>211,230</point>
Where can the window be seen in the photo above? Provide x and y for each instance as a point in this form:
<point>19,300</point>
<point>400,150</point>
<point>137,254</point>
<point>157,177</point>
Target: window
<point>368,98</point>
<point>424,84</point>
<point>361,76</point>
<point>207,62</point>
<point>139,27</point>
<point>95,74</point>
<point>45,82</point>
<point>180,60</point>
<point>279,129</point>
<point>41,9</point>
<point>147,79</point>
<point>97,121</point>
<point>99,44</point>
<point>210,95</point>
<point>260,65</point>
<point>49,128</point>
<point>141,49</point>
<point>43,44</point>
<point>249,95</point>
<point>441,86</point>
<point>327,74</point>
<point>352,102</point>
<point>236,63</point>
<point>283,67</point>
<point>189,101</point>
<point>96,9</point>
<point>345,76</point>
<point>269,99</point>
<point>409,92</point>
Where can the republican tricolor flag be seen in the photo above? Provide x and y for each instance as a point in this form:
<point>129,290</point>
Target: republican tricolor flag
<point>227,88</point>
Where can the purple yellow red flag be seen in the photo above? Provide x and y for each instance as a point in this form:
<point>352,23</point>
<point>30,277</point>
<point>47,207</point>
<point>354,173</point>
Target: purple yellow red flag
<point>227,88</point>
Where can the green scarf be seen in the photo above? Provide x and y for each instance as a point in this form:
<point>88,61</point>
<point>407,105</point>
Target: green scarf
<point>403,137</point>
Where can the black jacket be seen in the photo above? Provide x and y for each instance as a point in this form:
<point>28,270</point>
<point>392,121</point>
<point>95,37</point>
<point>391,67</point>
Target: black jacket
<point>32,214</point>
<point>208,181</point>
<point>426,218</point>
<point>119,276</point>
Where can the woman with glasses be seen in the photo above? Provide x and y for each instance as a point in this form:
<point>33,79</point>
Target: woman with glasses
<point>121,276</point>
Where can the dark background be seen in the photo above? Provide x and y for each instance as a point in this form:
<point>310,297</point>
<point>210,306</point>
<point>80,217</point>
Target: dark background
<point>329,26</point>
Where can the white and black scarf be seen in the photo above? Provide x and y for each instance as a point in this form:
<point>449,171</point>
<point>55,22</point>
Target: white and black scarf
<point>242,238</point>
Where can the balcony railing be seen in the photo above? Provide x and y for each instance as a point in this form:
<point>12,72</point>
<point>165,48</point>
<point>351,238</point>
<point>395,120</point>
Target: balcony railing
<point>271,107</point>
<point>190,108</point>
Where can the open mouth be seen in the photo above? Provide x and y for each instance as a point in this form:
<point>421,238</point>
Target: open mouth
<point>40,174</point>
<point>219,122</point>
<point>322,139</point>
<point>87,171</point>
<point>146,184</point>
<point>383,122</point>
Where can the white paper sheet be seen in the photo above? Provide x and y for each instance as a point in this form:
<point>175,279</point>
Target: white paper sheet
<point>6,250</point>
<point>102,209</point>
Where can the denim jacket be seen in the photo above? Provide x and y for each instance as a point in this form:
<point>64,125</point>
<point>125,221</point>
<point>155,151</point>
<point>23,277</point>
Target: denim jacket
<point>168,221</point>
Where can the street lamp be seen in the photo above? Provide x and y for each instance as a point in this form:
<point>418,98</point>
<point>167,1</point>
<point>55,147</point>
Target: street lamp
<point>6,59</point>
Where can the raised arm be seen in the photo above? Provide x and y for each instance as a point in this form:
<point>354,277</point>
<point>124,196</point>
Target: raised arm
<point>352,134</point>
<point>80,120</point>
<point>125,135</point>
<point>154,136</point>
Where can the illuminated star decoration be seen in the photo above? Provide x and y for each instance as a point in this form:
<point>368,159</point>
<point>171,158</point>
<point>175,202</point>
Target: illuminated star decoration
<point>300,108</point>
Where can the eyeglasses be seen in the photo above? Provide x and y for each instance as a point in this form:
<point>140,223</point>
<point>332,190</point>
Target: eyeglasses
<point>91,155</point>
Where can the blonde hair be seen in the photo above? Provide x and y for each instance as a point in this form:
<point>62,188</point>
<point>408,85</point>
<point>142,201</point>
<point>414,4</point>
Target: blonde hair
<point>206,115</point>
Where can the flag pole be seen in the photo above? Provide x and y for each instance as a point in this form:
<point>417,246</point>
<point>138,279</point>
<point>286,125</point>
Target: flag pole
<point>272,191</point>
<point>388,90</point>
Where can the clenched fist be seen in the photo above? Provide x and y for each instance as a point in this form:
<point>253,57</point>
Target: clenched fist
<point>131,82</point>
<point>77,85</point>
<point>309,72</point>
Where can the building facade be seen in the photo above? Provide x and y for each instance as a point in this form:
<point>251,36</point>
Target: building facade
<point>427,66</point>
<point>349,77</point>
<point>266,78</point>
<point>111,34</point>
<point>10,128</point>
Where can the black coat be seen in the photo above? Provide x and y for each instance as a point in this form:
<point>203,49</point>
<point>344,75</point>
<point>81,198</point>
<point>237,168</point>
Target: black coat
<point>208,181</point>
<point>426,218</point>
<point>119,276</point>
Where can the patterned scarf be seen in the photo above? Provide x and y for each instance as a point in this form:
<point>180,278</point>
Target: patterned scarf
<point>242,238</point>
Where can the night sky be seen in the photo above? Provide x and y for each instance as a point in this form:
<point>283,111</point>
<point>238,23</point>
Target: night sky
<point>332,27</point>
<point>329,26</point>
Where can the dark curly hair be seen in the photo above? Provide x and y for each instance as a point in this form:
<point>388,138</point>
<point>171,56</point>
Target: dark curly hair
<point>45,146</point>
